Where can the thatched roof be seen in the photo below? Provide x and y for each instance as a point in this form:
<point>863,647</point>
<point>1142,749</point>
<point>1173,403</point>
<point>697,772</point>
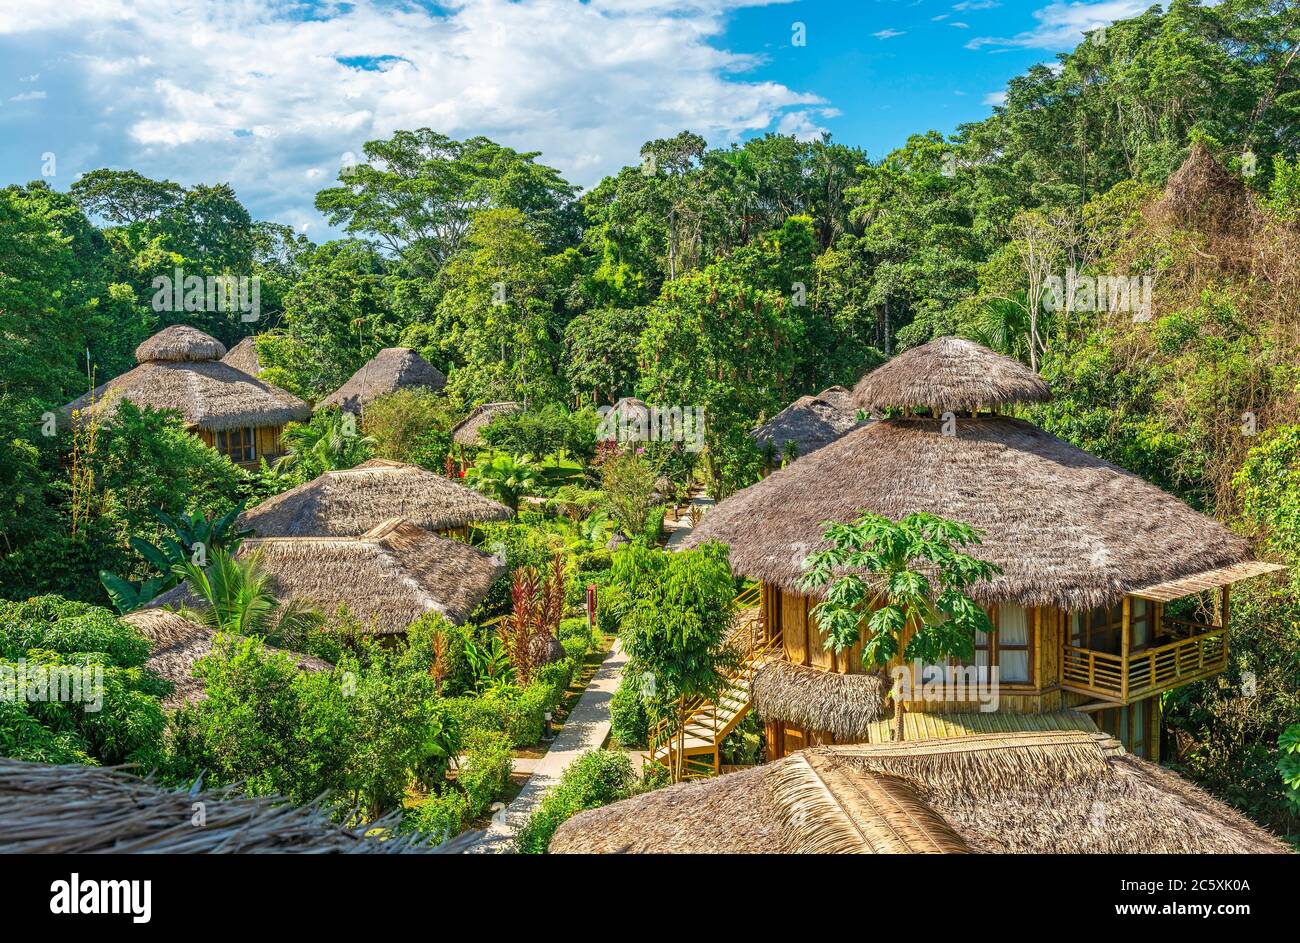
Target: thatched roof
<point>1201,194</point>
<point>949,373</point>
<point>843,704</point>
<point>351,502</point>
<point>177,643</point>
<point>180,343</point>
<point>47,809</point>
<point>243,356</point>
<point>393,368</point>
<point>178,370</point>
<point>469,432</point>
<point>386,577</point>
<point>1028,793</point>
<point>1068,529</point>
<point>810,422</point>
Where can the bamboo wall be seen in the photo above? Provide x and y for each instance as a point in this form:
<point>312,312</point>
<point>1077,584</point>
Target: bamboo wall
<point>266,442</point>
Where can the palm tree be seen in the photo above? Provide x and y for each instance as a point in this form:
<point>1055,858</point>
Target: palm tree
<point>506,478</point>
<point>237,597</point>
<point>328,442</point>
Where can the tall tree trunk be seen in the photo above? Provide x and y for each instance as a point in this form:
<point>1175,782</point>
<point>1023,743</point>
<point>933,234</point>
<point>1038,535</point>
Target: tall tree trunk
<point>898,718</point>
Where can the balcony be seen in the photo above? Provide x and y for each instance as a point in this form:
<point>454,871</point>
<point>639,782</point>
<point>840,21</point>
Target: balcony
<point>1198,651</point>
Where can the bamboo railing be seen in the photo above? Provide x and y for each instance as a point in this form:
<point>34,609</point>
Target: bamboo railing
<point>1135,675</point>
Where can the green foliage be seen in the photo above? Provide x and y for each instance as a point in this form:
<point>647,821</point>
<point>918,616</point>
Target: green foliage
<point>1288,763</point>
<point>411,425</point>
<point>629,485</point>
<point>1268,483</point>
<point>329,441</point>
<point>87,696</point>
<point>596,778</point>
<point>238,596</point>
<point>508,478</point>
<point>899,577</point>
<point>630,724</point>
<point>440,816</point>
<point>545,430</point>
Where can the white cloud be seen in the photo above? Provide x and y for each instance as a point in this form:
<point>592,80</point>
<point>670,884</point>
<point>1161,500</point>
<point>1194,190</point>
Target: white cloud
<point>888,33</point>
<point>1062,25</point>
<point>33,96</point>
<point>941,16</point>
<point>251,94</point>
<point>995,98</point>
<point>975,5</point>
<point>958,25</point>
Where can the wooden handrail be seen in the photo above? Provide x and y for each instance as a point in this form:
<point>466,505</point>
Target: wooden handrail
<point>1137,674</point>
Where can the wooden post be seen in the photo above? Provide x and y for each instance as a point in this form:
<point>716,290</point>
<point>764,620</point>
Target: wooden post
<point>1124,652</point>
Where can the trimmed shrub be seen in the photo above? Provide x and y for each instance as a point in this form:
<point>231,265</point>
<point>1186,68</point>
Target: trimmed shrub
<point>525,717</point>
<point>557,676</point>
<point>486,773</point>
<point>440,817</point>
<point>596,778</point>
<point>629,722</point>
<point>476,714</point>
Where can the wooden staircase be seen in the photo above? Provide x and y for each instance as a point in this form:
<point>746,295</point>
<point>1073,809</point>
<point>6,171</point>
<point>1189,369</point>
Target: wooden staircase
<point>708,722</point>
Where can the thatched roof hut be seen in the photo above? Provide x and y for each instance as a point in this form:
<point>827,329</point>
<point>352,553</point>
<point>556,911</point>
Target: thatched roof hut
<point>1070,792</point>
<point>386,577</point>
<point>1068,529</point>
<point>949,373</point>
<point>351,502</point>
<point>392,369</point>
<point>179,369</point>
<point>810,422</point>
<point>47,809</point>
<point>176,644</point>
<point>469,432</point>
<point>243,356</point>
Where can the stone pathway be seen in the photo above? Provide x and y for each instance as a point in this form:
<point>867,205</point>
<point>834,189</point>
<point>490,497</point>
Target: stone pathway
<point>679,530</point>
<point>587,728</point>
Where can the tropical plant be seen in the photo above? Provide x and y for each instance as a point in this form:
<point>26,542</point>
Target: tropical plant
<point>191,538</point>
<point>489,663</point>
<point>237,597</point>
<point>508,478</point>
<point>676,628</point>
<point>328,442</point>
<point>1288,763</point>
<point>906,581</point>
<point>629,485</point>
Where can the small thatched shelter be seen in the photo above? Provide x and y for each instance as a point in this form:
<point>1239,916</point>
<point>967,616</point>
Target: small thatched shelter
<point>350,502</point>
<point>392,369</point>
<point>387,577</point>
<point>810,422</point>
<point>235,413</point>
<point>243,356</point>
<point>72,809</point>
<point>844,705</point>
<point>1067,792</point>
<point>176,644</point>
<point>470,431</point>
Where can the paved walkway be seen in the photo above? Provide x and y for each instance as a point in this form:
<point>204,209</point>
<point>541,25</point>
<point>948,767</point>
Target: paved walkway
<point>679,530</point>
<point>586,728</point>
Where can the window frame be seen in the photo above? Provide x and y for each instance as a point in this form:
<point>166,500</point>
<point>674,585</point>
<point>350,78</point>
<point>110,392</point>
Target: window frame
<point>243,452</point>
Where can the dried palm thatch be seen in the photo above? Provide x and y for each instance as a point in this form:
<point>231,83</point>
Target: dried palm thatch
<point>386,578</point>
<point>393,368</point>
<point>1031,792</point>
<point>1068,529</point>
<point>243,357</point>
<point>180,343</point>
<point>356,500</point>
<point>89,810</point>
<point>178,370</point>
<point>727,815</point>
<point>845,705</point>
<point>829,808</point>
<point>949,373</point>
<point>810,422</point>
<point>1202,194</point>
<point>469,432</point>
<point>177,643</point>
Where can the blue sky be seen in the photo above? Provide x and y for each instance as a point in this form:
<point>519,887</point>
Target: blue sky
<point>274,96</point>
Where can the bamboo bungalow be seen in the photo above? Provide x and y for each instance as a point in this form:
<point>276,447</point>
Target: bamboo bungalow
<point>470,431</point>
<point>350,502</point>
<point>179,368</point>
<point>810,422</point>
<point>392,369</point>
<point>176,644</point>
<point>1111,591</point>
<point>386,577</point>
<point>243,357</point>
<point>1020,792</point>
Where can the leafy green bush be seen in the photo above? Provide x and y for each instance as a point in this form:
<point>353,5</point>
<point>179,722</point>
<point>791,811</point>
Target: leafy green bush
<point>654,523</point>
<point>475,714</point>
<point>107,708</point>
<point>486,773</point>
<point>410,425</point>
<point>629,722</point>
<point>525,718</point>
<point>596,778</point>
<point>440,816</point>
